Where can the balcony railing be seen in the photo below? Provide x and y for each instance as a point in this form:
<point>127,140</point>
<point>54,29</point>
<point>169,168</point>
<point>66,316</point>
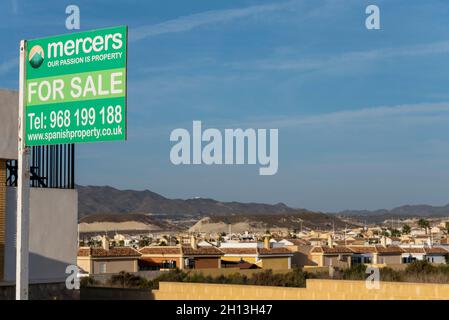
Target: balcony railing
<point>50,167</point>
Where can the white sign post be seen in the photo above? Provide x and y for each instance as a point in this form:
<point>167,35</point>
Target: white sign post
<point>23,190</point>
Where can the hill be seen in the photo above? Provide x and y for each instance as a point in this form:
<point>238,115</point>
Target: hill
<point>107,204</point>
<point>108,200</point>
<point>402,212</point>
<point>240,223</point>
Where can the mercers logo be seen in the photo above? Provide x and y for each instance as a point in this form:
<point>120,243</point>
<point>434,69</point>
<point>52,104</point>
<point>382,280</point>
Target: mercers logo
<point>36,56</point>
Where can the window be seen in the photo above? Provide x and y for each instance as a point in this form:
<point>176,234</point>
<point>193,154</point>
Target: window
<point>168,264</point>
<point>102,267</point>
<point>189,263</point>
<point>356,260</point>
<point>408,259</point>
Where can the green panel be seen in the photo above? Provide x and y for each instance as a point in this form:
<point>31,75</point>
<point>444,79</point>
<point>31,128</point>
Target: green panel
<point>62,63</point>
<point>87,121</point>
<point>76,87</point>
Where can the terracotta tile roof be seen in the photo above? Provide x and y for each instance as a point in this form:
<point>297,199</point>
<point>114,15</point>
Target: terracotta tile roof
<point>445,240</point>
<point>357,249</point>
<point>160,250</point>
<point>112,252</point>
<point>389,250</point>
<point>280,250</point>
<point>83,252</point>
<point>202,251</point>
<point>239,250</point>
<point>317,239</point>
<point>436,250</point>
<point>317,250</point>
<point>337,249</point>
<point>359,242</point>
<point>343,242</point>
<point>333,250</point>
<point>413,250</point>
<point>362,249</point>
<point>254,251</point>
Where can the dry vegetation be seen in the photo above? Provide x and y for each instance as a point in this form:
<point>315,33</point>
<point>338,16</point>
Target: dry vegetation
<point>419,271</point>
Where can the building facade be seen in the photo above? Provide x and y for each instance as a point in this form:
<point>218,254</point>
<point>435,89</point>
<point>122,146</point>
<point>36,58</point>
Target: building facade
<point>53,204</point>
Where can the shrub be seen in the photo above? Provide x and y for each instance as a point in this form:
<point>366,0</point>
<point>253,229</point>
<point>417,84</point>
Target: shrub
<point>356,272</point>
<point>296,278</point>
<point>266,278</point>
<point>421,266</point>
<point>88,282</point>
<point>171,276</point>
<point>388,274</point>
<point>128,280</point>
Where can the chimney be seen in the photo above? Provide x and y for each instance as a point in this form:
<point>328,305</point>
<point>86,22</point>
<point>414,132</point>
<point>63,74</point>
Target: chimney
<point>193,243</point>
<point>330,241</point>
<point>266,242</point>
<point>218,240</point>
<point>105,243</point>
<point>383,241</point>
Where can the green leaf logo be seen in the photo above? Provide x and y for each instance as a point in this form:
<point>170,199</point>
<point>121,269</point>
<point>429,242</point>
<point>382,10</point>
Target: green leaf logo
<point>36,56</point>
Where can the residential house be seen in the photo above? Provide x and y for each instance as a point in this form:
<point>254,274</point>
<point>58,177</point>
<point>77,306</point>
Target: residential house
<point>336,256</point>
<point>300,249</point>
<point>264,257</point>
<point>317,241</point>
<point>387,255</point>
<point>180,256</point>
<point>393,241</point>
<point>423,240</point>
<point>418,232</point>
<point>106,259</point>
<point>435,255</point>
<point>346,256</point>
<point>160,257</point>
<point>363,254</point>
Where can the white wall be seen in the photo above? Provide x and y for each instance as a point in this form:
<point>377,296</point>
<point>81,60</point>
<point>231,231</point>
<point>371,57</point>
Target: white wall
<point>9,105</point>
<point>53,233</point>
<point>436,259</point>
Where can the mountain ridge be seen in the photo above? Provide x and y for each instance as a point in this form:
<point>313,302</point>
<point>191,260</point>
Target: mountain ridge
<point>103,201</point>
<point>109,200</point>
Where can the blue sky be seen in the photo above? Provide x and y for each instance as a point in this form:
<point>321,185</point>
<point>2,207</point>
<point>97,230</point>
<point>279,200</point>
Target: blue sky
<point>362,114</point>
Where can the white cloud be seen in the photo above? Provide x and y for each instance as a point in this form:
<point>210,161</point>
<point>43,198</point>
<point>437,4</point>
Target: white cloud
<point>308,64</point>
<point>190,22</point>
<point>340,117</point>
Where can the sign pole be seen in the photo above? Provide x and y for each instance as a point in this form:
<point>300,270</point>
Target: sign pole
<point>23,189</point>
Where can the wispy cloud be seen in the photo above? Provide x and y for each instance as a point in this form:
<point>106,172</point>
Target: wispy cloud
<point>413,114</point>
<point>310,64</point>
<point>345,116</point>
<point>9,65</point>
<point>190,22</point>
<point>15,6</point>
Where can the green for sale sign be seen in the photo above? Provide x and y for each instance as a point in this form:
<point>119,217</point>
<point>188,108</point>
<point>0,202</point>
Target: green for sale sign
<point>76,87</point>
